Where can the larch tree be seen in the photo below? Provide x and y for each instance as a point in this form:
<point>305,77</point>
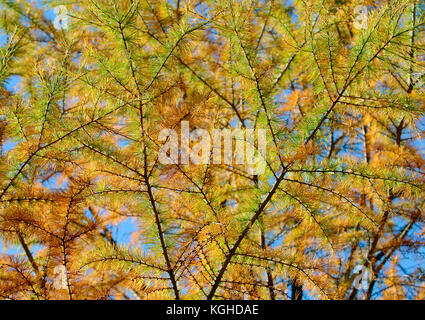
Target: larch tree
<point>87,90</point>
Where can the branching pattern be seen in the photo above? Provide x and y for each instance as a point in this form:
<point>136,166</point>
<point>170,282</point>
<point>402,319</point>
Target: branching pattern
<point>344,186</point>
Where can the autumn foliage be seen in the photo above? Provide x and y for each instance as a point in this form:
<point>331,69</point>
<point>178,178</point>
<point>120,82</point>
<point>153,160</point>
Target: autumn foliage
<point>81,109</point>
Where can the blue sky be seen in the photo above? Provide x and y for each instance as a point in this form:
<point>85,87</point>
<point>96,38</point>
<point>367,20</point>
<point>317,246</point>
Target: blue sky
<point>122,232</point>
